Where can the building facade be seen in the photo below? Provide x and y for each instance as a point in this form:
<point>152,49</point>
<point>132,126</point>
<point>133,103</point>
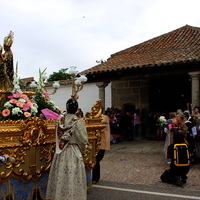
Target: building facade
<point>159,74</point>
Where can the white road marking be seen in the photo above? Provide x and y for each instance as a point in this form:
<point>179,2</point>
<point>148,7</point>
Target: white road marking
<point>146,192</point>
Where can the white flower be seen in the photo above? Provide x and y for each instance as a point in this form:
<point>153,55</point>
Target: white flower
<point>33,110</point>
<point>35,105</point>
<point>8,105</point>
<point>21,100</point>
<point>162,121</point>
<point>16,111</point>
<point>51,103</point>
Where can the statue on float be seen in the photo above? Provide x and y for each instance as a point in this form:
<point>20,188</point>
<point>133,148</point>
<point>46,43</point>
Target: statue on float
<point>6,63</point>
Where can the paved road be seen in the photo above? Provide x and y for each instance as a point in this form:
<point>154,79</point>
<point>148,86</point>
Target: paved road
<point>116,191</point>
<point>131,171</point>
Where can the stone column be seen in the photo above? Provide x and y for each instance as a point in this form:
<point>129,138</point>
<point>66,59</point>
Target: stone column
<point>195,87</point>
<point>102,86</point>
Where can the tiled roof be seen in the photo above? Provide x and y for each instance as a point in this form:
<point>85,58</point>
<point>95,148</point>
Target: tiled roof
<point>180,45</point>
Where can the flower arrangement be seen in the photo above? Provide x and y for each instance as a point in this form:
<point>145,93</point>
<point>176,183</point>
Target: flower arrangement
<point>43,101</point>
<point>42,97</point>
<point>18,106</point>
<point>162,121</point>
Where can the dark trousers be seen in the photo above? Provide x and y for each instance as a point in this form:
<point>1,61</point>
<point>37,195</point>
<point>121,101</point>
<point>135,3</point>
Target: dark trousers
<point>169,177</point>
<point>96,170</point>
<point>137,128</point>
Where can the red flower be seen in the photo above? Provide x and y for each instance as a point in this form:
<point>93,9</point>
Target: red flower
<point>19,104</point>
<point>5,112</point>
<point>13,101</point>
<point>27,114</point>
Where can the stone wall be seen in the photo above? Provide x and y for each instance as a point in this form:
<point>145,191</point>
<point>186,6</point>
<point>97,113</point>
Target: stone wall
<point>130,92</point>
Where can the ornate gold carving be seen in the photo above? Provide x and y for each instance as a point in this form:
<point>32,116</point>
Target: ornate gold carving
<point>8,40</point>
<point>96,111</point>
<point>94,132</point>
<point>31,143</point>
<point>33,129</point>
<point>46,152</point>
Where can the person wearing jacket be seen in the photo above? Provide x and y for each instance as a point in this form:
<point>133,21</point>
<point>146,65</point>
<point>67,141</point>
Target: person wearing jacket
<point>105,145</point>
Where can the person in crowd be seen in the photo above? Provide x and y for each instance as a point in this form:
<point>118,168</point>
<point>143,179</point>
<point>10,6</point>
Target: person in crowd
<point>152,120</point>
<point>179,110</point>
<point>104,146</point>
<point>79,113</point>
<point>176,174</point>
<point>190,137</point>
<point>119,129</point>
<point>160,128</point>
<point>144,118</point>
<point>169,136</point>
<point>110,115</point>
<point>180,123</point>
<point>67,177</point>
<point>196,112</point>
<point>196,120</point>
<point>4,159</point>
<point>137,122</point>
<point>127,124</point>
<point>114,128</point>
<point>87,115</point>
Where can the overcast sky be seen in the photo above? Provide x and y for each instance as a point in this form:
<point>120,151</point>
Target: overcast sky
<point>57,34</point>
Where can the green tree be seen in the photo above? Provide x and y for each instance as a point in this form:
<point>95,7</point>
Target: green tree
<point>60,75</point>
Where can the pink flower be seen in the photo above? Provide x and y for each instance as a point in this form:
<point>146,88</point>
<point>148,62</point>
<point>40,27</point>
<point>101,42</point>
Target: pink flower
<point>45,93</point>
<point>27,114</point>
<point>17,95</point>
<point>30,103</point>
<point>10,97</point>
<point>24,96</point>
<point>5,112</point>
<point>25,107</point>
<point>26,99</point>
<point>19,104</point>
<point>13,101</point>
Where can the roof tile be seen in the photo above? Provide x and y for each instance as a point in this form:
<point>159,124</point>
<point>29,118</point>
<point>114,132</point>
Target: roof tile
<point>180,45</point>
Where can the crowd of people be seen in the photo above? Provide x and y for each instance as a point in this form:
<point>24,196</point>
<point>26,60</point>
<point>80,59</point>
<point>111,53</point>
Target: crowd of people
<point>141,124</point>
<point>177,129</point>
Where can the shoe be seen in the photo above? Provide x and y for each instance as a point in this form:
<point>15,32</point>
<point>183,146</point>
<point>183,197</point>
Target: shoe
<point>184,179</point>
<point>94,182</point>
<point>178,181</point>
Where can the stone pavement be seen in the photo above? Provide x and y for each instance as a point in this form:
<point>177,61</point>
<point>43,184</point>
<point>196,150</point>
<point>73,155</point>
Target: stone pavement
<point>141,162</point>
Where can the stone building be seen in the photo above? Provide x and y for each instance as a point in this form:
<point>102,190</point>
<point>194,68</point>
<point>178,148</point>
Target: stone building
<point>159,74</point>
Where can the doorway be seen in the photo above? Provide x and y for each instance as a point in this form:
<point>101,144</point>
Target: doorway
<point>167,94</point>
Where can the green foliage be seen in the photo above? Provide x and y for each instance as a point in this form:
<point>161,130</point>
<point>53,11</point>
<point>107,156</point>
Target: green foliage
<point>60,75</point>
<point>44,102</point>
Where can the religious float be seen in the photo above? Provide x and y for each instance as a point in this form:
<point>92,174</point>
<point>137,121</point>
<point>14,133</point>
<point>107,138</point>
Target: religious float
<point>29,138</point>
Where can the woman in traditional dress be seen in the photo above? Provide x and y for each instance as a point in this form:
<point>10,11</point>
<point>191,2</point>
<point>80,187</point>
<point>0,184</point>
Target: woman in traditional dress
<point>67,178</point>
